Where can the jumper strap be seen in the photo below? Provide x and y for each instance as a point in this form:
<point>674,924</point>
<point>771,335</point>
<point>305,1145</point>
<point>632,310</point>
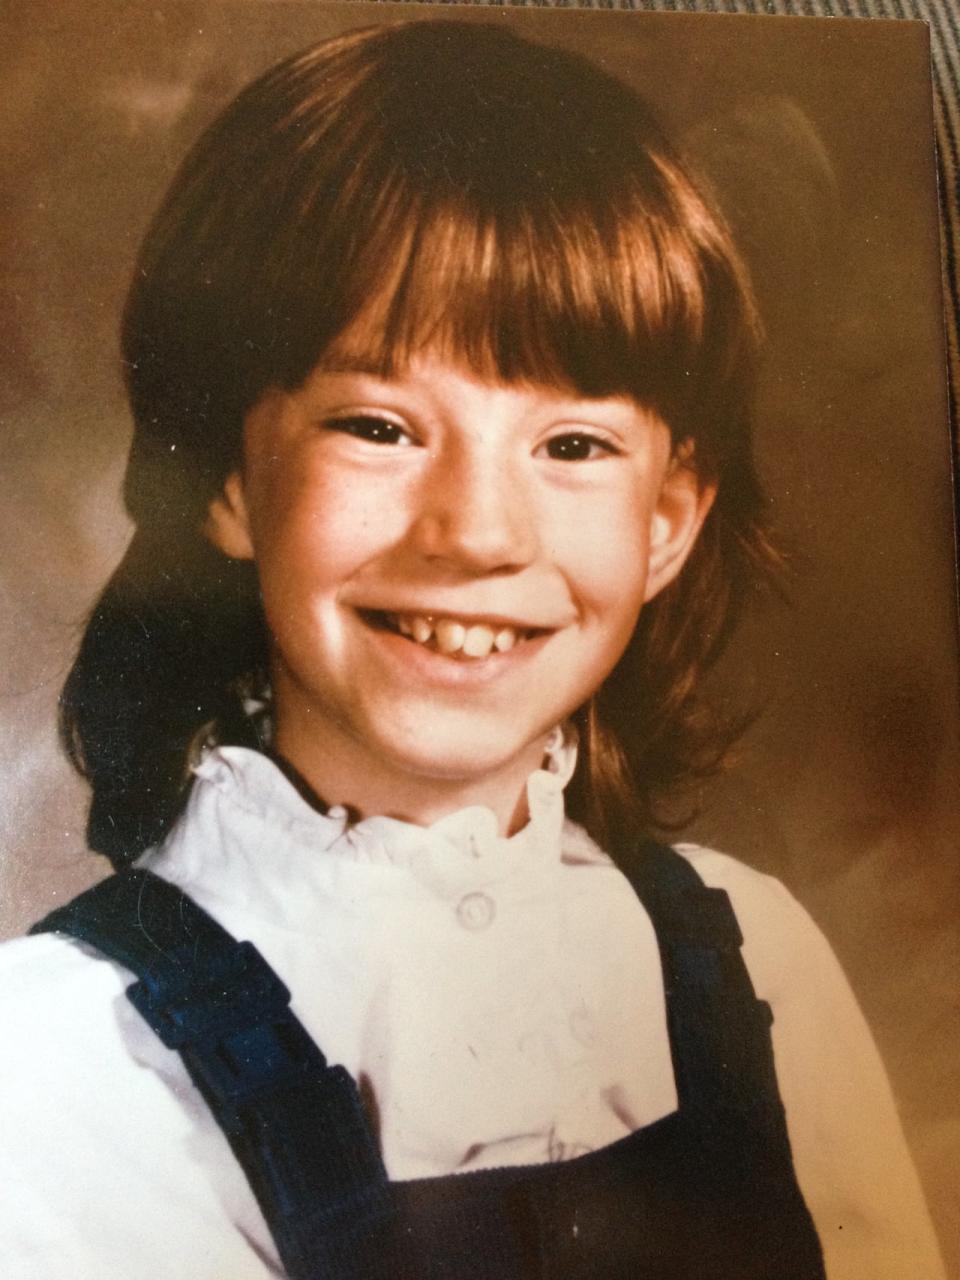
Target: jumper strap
<point>719,1031</point>
<point>295,1124</point>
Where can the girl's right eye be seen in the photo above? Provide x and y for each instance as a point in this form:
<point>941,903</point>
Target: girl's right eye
<point>369,427</point>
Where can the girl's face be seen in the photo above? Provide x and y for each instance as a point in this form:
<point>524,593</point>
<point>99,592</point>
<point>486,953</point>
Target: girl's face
<point>449,568</point>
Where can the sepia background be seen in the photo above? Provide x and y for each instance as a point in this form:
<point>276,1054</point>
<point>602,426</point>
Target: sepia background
<point>817,136</point>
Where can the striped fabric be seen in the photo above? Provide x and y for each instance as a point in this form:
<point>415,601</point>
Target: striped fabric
<point>943,19</point>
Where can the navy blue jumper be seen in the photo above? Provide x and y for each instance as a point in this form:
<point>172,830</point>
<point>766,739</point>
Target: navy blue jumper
<point>705,1193</point>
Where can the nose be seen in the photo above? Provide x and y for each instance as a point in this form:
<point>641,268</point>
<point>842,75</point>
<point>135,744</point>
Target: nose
<point>475,513</point>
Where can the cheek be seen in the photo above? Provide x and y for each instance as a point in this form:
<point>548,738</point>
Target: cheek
<point>609,560</point>
<point>313,528</point>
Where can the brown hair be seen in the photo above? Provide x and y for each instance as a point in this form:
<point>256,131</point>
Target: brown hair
<point>444,183</point>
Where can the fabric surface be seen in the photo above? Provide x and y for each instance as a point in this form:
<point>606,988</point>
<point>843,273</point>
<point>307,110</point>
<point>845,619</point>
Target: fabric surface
<point>135,1178</point>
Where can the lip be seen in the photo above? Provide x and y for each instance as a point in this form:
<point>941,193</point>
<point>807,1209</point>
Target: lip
<point>442,669</point>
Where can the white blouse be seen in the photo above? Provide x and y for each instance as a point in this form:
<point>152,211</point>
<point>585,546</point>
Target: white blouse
<point>500,1001</point>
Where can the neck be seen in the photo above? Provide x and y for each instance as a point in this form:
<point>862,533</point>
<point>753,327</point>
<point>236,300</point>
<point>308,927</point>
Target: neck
<point>340,771</point>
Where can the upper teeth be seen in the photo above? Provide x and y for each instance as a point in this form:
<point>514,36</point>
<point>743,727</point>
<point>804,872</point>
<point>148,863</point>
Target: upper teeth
<point>473,639</point>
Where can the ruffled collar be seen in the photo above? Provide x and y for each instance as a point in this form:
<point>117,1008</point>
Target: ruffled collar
<point>248,834</point>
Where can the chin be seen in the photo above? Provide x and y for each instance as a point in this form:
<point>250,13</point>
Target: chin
<point>461,756</point>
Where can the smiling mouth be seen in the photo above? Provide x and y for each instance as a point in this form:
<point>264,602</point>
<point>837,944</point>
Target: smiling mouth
<point>454,638</point>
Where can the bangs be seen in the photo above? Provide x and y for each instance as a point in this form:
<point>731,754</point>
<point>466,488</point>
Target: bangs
<point>516,211</point>
<point>602,301</point>
<point>572,269</point>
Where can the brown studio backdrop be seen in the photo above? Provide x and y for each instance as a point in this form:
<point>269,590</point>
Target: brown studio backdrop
<point>817,136</point>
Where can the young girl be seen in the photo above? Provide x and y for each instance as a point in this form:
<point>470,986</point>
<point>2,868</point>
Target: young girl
<point>440,367</point>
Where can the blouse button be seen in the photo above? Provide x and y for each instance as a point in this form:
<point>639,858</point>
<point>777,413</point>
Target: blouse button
<point>476,911</point>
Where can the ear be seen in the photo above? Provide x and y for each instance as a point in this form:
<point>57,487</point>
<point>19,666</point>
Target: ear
<point>684,500</point>
<point>227,524</point>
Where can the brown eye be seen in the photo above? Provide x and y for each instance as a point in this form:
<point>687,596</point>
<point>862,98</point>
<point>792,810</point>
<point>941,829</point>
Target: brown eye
<point>371,428</point>
<point>577,447</point>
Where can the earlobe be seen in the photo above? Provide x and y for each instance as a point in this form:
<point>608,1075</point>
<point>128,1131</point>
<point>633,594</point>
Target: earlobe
<point>227,524</point>
<point>683,504</point>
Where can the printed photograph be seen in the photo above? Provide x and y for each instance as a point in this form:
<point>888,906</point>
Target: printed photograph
<point>478,651</point>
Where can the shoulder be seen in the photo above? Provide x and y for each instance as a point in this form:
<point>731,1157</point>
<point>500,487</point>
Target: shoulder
<point>747,887</point>
<point>780,939</point>
<point>68,1037</point>
<point>778,932</point>
<point>53,985</point>
<point>849,1150</point>
<point>105,1143</point>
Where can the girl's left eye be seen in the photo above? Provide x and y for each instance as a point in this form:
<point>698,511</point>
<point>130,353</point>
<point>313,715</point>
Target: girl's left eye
<point>371,428</point>
<point>577,446</point>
